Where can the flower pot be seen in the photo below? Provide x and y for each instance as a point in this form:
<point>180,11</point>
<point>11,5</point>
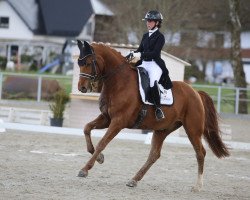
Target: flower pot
<point>56,122</point>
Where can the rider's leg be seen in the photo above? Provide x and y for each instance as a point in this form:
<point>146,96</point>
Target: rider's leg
<point>155,91</point>
<point>154,72</point>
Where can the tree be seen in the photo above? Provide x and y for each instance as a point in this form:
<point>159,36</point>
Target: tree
<point>240,80</point>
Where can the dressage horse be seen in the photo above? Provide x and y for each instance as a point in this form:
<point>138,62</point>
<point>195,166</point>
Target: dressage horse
<point>120,105</point>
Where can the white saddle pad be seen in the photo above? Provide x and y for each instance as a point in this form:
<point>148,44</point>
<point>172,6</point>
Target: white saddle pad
<point>166,95</point>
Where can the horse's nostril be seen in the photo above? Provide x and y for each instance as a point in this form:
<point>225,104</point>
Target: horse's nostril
<point>83,89</point>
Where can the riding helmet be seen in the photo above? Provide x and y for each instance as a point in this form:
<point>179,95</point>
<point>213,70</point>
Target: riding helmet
<point>153,15</point>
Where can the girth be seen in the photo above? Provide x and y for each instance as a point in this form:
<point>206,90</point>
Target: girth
<point>142,114</point>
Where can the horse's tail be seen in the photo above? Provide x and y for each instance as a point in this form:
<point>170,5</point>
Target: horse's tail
<point>212,133</point>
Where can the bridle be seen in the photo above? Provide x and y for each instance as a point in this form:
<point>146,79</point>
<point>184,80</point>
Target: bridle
<point>82,62</point>
<point>94,76</point>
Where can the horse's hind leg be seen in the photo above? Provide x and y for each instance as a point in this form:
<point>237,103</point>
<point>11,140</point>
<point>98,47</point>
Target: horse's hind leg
<point>99,123</point>
<point>155,152</point>
<point>200,156</point>
<point>194,134</point>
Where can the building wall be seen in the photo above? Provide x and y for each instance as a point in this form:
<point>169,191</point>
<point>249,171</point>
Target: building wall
<point>245,40</point>
<point>17,28</point>
<point>87,32</point>
<point>247,72</point>
<point>82,111</point>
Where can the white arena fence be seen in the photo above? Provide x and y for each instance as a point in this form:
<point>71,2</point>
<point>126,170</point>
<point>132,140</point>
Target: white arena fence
<point>25,116</point>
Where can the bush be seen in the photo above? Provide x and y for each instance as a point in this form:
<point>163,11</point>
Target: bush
<point>195,72</point>
<point>26,58</point>
<point>61,98</point>
<point>3,62</point>
<point>33,67</point>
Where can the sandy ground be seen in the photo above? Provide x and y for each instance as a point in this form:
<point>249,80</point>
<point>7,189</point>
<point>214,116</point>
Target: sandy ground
<point>45,166</point>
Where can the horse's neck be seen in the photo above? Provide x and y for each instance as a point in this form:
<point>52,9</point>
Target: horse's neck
<point>118,73</point>
<point>120,77</point>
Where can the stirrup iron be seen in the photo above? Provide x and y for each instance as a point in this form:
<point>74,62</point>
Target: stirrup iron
<point>159,114</point>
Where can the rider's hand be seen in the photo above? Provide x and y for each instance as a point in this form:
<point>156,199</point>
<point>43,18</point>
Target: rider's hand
<point>129,56</point>
<point>137,55</point>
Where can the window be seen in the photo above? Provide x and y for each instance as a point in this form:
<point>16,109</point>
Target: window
<point>219,40</point>
<point>205,39</point>
<point>4,22</point>
<point>89,28</point>
<point>188,38</point>
<point>173,38</point>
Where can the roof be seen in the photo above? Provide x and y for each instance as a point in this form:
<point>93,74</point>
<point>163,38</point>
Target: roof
<point>63,17</point>
<point>30,18</point>
<point>58,17</point>
<point>100,9</point>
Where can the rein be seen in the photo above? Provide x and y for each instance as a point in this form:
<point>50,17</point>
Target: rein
<point>94,76</point>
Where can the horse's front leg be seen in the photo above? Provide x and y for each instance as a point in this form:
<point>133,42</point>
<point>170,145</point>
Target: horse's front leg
<point>100,122</point>
<point>155,152</point>
<point>112,131</point>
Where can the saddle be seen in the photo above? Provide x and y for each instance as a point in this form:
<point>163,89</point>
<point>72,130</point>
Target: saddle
<point>144,88</point>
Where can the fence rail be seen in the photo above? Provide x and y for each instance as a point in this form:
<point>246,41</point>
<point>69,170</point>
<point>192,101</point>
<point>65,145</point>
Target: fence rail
<point>64,81</point>
<point>227,99</point>
<point>24,115</point>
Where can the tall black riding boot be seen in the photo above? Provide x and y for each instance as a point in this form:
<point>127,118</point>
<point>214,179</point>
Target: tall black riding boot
<point>156,98</point>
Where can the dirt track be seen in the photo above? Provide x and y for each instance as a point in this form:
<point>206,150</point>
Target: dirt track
<point>43,166</point>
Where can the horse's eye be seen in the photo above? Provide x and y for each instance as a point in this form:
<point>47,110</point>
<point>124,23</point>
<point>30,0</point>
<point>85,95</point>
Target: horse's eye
<point>81,63</point>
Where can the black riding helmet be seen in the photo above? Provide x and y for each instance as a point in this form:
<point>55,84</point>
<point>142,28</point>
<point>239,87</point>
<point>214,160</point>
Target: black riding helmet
<point>153,15</point>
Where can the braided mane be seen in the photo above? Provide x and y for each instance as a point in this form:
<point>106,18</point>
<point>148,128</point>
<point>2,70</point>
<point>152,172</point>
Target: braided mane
<point>108,47</point>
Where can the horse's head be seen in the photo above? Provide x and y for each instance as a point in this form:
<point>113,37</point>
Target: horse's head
<point>90,70</point>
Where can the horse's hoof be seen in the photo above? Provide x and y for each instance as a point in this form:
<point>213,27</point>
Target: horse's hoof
<point>82,173</point>
<point>196,189</point>
<point>132,183</point>
<point>100,158</point>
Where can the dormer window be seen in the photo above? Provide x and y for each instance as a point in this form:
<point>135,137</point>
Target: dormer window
<point>4,22</point>
<point>89,28</point>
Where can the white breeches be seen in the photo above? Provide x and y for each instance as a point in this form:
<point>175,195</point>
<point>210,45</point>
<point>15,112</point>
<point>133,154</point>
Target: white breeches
<point>154,71</point>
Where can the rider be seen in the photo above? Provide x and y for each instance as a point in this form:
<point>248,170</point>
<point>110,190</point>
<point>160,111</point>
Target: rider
<point>149,53</point>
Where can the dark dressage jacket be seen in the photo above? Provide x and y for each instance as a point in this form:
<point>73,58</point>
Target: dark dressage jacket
<point>150,49</point>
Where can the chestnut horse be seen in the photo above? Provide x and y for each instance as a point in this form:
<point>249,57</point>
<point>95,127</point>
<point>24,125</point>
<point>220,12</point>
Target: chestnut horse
<point>120,104</point>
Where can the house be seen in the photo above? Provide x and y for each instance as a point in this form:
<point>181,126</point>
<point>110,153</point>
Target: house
<point>85,107</point>
<point>40,27</point>
<point>211,52</point>
<point>204,37</point>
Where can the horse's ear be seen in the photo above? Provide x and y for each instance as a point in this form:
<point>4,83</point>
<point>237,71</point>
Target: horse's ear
<point>80,44</point>
<point>87,47</point>
<point>86,43</point>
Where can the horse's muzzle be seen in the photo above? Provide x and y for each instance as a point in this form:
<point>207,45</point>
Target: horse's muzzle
<point>82,89</point>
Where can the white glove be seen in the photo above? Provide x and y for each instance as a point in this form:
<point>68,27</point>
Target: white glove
<point>137,55</point>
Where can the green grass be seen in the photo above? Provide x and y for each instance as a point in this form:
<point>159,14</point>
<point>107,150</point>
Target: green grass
<point>227,104</point>
<point>65,83</point>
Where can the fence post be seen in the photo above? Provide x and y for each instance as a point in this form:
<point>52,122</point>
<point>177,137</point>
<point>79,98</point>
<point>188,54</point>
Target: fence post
<point>218,99</point>
<point>1,85</point>
<point>39,88</point>
<point>237,100</point>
